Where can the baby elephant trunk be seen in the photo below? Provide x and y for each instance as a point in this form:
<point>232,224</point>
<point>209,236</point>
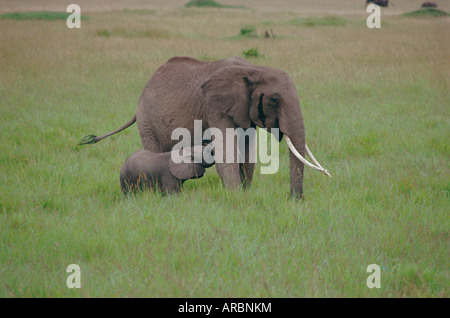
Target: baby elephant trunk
<point>200,154</point>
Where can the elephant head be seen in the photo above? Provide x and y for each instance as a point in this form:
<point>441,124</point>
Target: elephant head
<point>267,98</point>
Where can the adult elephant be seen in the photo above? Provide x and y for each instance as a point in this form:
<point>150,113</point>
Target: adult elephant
<point>229,93</point>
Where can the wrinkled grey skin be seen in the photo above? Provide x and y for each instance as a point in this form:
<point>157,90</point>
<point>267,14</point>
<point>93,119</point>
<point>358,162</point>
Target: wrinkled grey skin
<point>229,93</point>
<point>145,169</point>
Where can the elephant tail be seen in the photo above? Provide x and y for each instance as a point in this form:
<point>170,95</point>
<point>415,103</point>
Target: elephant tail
<point>92,139</point>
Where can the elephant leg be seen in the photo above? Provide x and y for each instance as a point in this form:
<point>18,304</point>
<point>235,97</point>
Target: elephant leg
<point>150,143</point>
<point>146,130</point>
<point>247,168</point>
<point>230,174</point>
<point>227,164</point>
<point>246,173</point>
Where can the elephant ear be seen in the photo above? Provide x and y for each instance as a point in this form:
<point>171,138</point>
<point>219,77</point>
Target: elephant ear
<point>187,169</point>
<point>229,89</point>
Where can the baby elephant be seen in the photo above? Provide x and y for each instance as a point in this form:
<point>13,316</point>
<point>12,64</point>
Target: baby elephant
<point>145,169</point>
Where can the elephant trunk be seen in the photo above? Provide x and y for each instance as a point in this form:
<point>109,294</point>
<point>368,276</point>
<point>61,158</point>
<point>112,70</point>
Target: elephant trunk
<point>296,166</point>
<point>292,126</point>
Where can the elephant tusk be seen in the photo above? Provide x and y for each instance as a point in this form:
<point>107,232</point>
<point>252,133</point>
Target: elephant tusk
<point>315,161</point>
<point>306,162</point>
<point>312,157</point>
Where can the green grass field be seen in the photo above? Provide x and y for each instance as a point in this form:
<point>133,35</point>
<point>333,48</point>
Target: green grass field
<point>376,108</point>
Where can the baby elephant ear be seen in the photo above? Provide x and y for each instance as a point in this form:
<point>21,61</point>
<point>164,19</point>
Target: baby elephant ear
<point>186,169</point>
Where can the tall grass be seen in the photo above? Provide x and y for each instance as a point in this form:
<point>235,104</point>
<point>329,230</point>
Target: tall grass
<point>376,115</point>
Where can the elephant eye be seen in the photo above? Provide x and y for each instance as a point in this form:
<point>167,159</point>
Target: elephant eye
<point>275,100</point>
